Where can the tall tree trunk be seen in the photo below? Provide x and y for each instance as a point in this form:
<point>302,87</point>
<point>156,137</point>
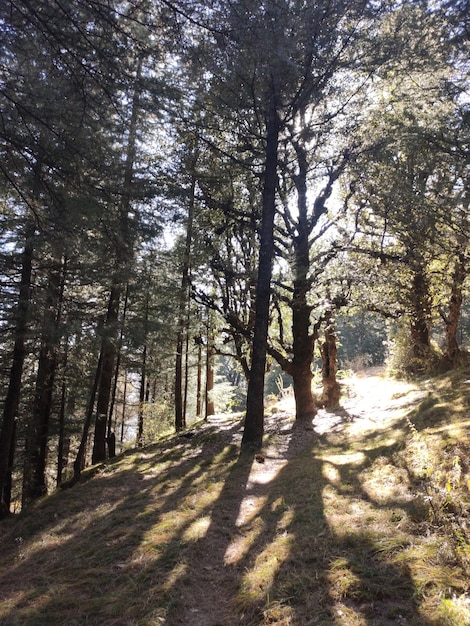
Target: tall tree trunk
<point>143,384</point>
<point>452,319</point>
<point>61,461</point>
<point>303,340</point>
<point>111,437</point>
<point>123,414</point>
<point>420,322</point>
<point>199,343</point>
<point>180,416</point>
<point>107,356</point>
<point>34,480</point>
<point>186,364</point>
<point>80,460</point>
<point>210,408</point>
<point>10,408</point>
<point>123,259</point>
<point>254,419</point>
<point>329,352</point>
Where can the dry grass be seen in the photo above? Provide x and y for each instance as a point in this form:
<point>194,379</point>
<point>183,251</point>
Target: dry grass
<point>360,519</point>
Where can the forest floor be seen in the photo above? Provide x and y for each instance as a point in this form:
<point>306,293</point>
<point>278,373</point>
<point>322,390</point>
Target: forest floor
<point>358,518</point>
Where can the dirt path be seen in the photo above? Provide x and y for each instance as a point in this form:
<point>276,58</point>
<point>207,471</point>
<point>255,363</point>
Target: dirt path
<point>371,403</point>
<point>371,406</point>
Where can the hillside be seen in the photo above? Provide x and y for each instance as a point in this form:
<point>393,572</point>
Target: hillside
<point>360,518</point>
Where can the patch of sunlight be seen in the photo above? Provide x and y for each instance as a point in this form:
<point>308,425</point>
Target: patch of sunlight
<point>198,529</point>
<point>250,508</point>
<point>259,476</point>
<point>241,543</point>
<point>10,604</point>
<point>286,519</point>
<point>429,572</point>
<point>66,529</point>
<point>345,513</point>
<point>343,582</point>
<point>383,482</point>
<point>279,613</point>
<point>347,616</point>
<point>331,473</point>
<point>457,430</point>
<point>348,458</point>
<point>455,611</point>
<point>165,529</point>
<point>258,581</point>
<point>176,574</point>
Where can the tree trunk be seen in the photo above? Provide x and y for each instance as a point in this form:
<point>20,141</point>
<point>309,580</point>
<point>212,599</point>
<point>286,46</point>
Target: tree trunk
<point>123,414</point>
<point>329,352</point>
<point>303,341</point>
<point>452,318</point>
<point>34,480</point>
<point>254,419</point>
<point>61,462</point>
<point>12,400</point>
<point>123,257</point>
<point>199,343</point>
<point>180,416</point>
<point>143,381</point>
<point>79,463</point>
<point>111,437</point>
<point>210,408</point>
<point>186,364</point>
<point>108,354</point>
<point>420,323</point>
<point>303,346</point>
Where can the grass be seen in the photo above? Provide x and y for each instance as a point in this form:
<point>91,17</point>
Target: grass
<point>363,524</point>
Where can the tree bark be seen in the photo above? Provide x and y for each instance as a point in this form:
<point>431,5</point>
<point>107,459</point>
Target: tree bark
<point>34,479</point>
<point>111,436</point>
<point>79,463</point>
<point>143,381</point>
<point>329,352</point>
<point>180,415</point>
<point>210,408</point>
<point>61,460</point>
<point>420,323</point>
<point>303,341</point>
<point>199,342</point>
<point>108,354</point>
<point>12,399</point>
<point>124,250</point>
<point>452,318</point>
<point>123,414</point>
<point>254,420</point>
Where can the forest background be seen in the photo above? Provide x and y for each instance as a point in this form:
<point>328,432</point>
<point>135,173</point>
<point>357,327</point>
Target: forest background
<point>204,203</point>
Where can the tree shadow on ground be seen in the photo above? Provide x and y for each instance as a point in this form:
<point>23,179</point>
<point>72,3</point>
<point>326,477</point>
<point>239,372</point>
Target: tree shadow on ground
<point>292,559</point>
<point>88,556</point>
<point>191,533</point>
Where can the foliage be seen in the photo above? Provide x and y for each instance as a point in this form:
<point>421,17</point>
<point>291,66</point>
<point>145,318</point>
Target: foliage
<point>362,339</point>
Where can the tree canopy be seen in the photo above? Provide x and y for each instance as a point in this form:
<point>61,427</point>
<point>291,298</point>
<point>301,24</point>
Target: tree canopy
<point>192,194</point>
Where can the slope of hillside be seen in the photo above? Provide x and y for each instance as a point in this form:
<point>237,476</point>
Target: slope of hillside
<point>358,518</point>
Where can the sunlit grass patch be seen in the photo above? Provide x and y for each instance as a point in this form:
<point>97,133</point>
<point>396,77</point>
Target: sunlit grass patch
<point>257,582</point>
<point>455,611</point>
<point>383,482</point>
<point>197,529</point>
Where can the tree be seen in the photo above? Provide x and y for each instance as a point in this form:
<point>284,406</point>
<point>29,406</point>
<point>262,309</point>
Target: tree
<point>278,78</point>
<point>10,408</point>
<point>408,186</point>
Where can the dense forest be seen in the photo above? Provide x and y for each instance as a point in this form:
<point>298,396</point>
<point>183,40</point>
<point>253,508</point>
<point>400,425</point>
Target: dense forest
<point>203,203</point>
